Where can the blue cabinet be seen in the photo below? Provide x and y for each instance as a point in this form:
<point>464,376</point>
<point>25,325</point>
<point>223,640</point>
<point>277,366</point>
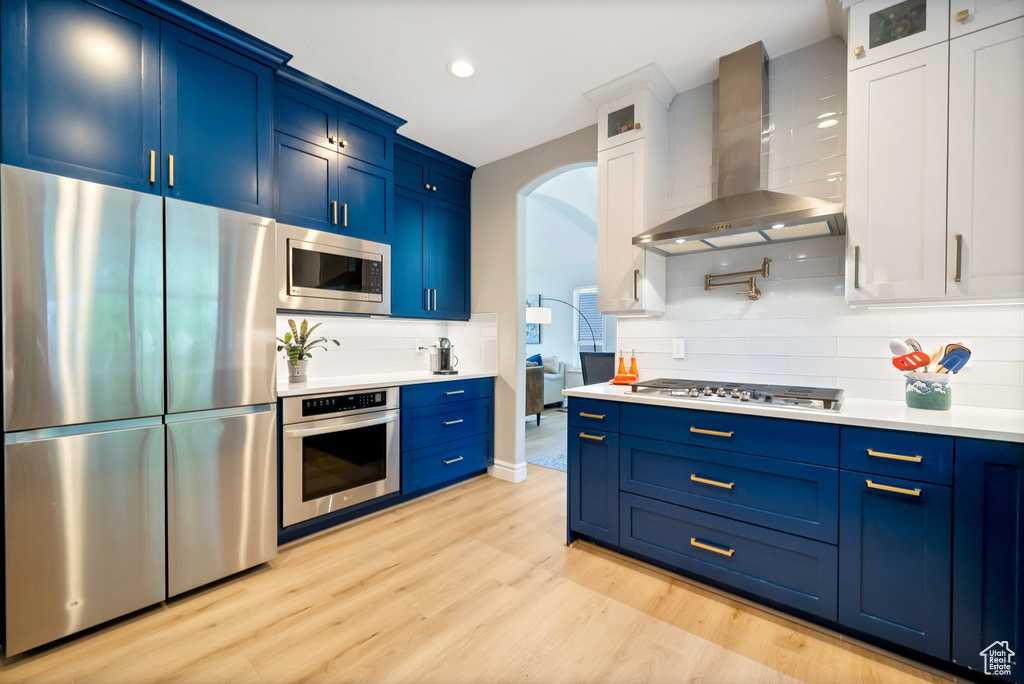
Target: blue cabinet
<point>447,432</point>
<point>366,195</point>
<point>306,185</point>
<point>430,253</point>
<point>988,550</point>
<point>216,124</point>
<point>81,90</point>
<point>593,473</point>
<point>427,175</point>
<point>894,560</point>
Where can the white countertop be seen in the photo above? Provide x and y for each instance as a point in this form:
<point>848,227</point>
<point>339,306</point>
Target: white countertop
<point>1005,425</point>
<point>357,382</point>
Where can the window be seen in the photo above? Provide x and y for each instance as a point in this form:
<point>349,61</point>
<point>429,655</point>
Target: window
<point>586,337</point>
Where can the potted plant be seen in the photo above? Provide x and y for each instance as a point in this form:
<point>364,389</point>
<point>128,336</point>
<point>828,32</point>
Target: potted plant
<point>297,346</point>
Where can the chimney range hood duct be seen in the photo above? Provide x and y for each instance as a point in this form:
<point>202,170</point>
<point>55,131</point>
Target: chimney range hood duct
<point>744,213</point>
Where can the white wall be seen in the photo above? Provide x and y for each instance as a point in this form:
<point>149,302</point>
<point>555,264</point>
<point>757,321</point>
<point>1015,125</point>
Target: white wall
<point>801,330</point>
<point>561,252</point>
<point>499,275</point>
<point>371,346</point>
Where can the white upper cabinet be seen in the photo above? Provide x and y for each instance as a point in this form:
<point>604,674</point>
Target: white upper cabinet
<point>967,16</point>
<point>627,275</point>
<point>623,120</point>
<point>896,200</point>
<point>881,29</point>
<point>986,162</point>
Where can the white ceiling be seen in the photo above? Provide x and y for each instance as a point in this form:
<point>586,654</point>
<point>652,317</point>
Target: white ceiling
<point>534,58</point>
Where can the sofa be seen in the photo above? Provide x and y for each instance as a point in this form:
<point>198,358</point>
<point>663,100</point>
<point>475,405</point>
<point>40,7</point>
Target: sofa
<point>554,383</point>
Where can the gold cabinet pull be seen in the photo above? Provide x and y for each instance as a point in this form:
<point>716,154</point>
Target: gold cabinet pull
<point>962,15</point>
<point>898,490</point>
<point>895,457</point>
<point>344,215</point>
<point>856,267</point>
<point>152,167</point>
<point>434,188</point>
<point>959,258</point>
<point>344,143</point>
<point>636,289</point>
<point>334,206</point>
<point>858,51</point>
<point>427,186</point>
<point>709,547</point>
<point>592,415</point>
<point>636,126</point>
<point>454,460</point>
<point>448,394</point>
<point>713,483</point>
<point>716,433</point>
<point>451,422</point>
<point>170,170</point>
<point>333,139</point>
<point>598,438</point>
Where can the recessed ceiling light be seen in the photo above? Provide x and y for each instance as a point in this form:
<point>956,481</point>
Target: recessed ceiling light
<point>826,115</point>
<point>680,241</point>
<point>778,225</point>
<point>828,123</point>
<point>461,68</point>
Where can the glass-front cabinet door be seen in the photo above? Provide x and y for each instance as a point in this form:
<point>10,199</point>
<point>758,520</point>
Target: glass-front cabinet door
<point>622,120</point>
<point>880,29</point>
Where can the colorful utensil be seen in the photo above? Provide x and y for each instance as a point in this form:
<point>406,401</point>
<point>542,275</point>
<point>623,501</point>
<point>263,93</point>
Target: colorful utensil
<point>900,348</point>
<point>913,344</point>
<point>955,358</point>
<point>911,361</point>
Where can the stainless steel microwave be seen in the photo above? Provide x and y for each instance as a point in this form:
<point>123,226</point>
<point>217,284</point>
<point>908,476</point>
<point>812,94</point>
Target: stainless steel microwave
<point>318,271</point>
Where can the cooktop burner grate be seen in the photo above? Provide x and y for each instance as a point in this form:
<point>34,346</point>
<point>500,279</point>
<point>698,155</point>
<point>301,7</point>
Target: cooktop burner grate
<point>791,396</point>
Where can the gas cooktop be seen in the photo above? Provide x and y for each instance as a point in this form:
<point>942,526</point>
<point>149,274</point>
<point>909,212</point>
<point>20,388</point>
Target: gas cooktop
<point>789,396</point>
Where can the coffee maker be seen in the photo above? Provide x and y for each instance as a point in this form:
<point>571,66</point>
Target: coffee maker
<point>442,357</point>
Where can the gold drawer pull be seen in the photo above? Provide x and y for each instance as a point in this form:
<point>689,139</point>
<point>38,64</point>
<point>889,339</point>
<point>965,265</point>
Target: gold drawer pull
<point>451,422</point>
<point>899,490</point>
<point>448,394</point>
<point>591,415</point>
<point>716,483</point>
<point>599,438</point>
<point>454,460</point>
<point>709,547</point>
<point>716,433</point>
<point>962,15</point>
<point>895,457</point>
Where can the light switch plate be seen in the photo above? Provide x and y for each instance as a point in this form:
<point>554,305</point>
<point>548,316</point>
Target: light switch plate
<point>678,348</point>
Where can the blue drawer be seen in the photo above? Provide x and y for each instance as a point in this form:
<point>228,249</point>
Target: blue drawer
<point>791,570</point>
<point>434,465</point>
<point>430,425</point>
<point>910,455</point>
<point>791,497</point>
<point>440,393</point>
<point>594,414</point>
<point>792,440</point>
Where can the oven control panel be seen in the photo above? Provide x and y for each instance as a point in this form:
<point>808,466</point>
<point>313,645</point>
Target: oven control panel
<point>340,403</point>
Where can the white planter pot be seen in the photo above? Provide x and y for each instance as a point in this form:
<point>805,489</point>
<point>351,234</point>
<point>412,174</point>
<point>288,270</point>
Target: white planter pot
<point>297,370</point>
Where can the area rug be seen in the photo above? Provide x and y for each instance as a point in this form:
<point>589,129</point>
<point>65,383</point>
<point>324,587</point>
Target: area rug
<point>555,460</point>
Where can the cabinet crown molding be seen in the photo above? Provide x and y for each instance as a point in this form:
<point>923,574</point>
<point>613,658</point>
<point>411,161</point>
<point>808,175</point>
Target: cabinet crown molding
<point>649,77</point>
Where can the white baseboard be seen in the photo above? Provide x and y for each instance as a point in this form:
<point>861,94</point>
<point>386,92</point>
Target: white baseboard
<point>510,472</point>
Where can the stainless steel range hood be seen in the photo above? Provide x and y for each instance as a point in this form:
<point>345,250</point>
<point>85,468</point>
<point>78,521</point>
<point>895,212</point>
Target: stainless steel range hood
<point>744,213</point>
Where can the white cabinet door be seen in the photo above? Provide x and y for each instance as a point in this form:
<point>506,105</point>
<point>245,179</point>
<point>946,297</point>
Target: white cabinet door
<point>623,120</point>
<point>896,197</point>
<point>967,16</point>
<point>882,29</point>
<point>986,161</point>
<point>620,216</point>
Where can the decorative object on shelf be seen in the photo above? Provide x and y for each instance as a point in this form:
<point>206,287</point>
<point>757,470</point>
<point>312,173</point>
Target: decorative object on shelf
<point>537,314</point>
<point>751,282</point>
<point>532,321</point>
<point>298,345</point>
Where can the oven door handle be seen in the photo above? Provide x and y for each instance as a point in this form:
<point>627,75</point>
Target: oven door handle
<point>340,427</point>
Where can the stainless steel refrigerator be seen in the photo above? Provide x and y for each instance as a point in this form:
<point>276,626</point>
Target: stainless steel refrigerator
<point>138,388</point>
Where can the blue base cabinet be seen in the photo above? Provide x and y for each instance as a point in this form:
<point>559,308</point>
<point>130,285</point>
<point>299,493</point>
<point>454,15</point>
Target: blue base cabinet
<point>894,560</point>
<point>447,432</point>
<point>593,468</point>
<point>988,552</point>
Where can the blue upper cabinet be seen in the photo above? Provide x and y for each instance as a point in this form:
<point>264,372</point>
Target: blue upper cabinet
<point>988,549</point>
<point>366,194</point>
<point>360,138</point>
<point>410,256</point>
<point>216,124</point>
<point>81,90</point>
<point>444,178</point>
<point>448,249</point>
<point>306,184</point>
<point>412,171</point>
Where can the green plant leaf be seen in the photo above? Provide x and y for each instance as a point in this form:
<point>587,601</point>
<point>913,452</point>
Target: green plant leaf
<point>291,324</point>
<point>304,330</point>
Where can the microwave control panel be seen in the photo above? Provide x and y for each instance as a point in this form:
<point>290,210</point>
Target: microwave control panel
<point>340,403</point>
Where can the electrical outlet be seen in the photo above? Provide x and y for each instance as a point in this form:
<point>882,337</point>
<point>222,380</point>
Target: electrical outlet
<point>678,348</point>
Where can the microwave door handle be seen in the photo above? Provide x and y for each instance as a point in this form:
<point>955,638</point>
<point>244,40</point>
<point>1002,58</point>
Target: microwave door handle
<point>340,428</point>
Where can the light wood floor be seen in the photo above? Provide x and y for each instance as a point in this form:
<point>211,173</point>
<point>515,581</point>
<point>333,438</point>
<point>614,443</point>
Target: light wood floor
<point>547,437</point>
<point>470,584</point>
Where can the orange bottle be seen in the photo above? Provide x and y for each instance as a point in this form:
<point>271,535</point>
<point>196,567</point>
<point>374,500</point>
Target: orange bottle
<point>632,367</point>
<point>622,365</point>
